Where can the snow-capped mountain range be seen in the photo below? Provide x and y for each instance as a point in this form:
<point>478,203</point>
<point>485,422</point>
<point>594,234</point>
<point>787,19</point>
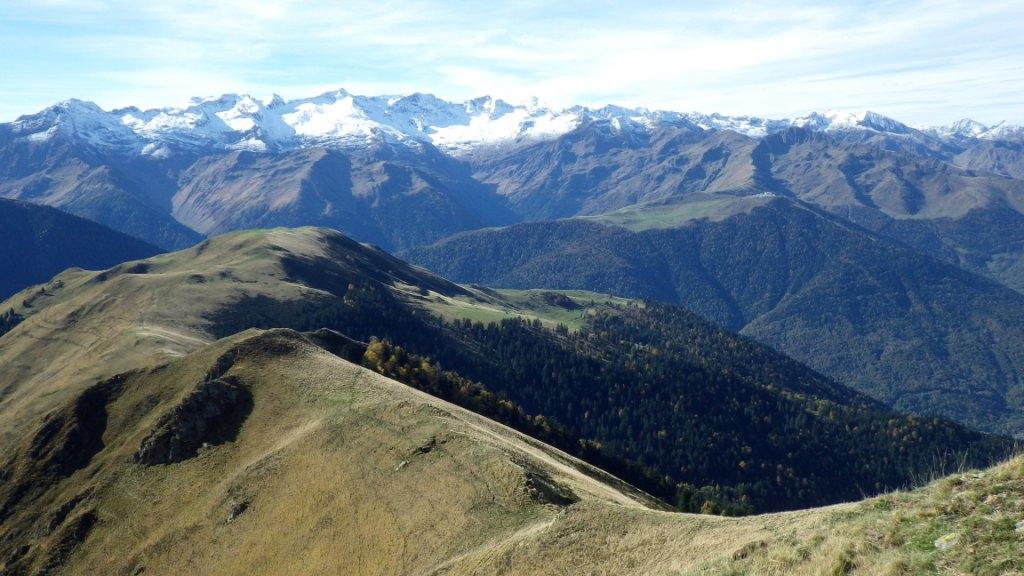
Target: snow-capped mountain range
<point>341,119</point>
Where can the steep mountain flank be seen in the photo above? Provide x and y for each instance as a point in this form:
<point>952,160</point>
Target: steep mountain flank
<point>596,168</point>
<point>919,334</point>
<point>391,198</point>
<point>928,193</point>
<point>37,242</point>
<point>125,192</point>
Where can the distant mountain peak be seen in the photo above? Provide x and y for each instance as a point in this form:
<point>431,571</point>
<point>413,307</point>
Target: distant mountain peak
<point>74,104</point>
<point>75,118</point>
<point>1004,131</point>
<point>839,120</point>
<point>340,119</point>
<point>966,128</point>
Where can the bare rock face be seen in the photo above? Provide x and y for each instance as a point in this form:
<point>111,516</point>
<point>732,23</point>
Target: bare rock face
<point>338,344</point>
<point>211,414</point>
<point>545,490</point>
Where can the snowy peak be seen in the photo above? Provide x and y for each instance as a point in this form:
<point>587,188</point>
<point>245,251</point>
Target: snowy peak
<point>344,120</point>
<point>493,108</point>
<point>752,126</point>
<point>1004,131</point>
<point>969,129</point>
<point>879,123</point>
<point>840,120</point>
<point>74,119</point>
<point>237,121</point>
<point>964,128</point>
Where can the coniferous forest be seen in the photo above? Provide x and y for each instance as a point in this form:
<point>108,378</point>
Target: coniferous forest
<point>705,419</point>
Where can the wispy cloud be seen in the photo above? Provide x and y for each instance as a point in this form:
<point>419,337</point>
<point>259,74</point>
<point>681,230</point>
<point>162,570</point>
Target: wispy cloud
<point>922,61</point>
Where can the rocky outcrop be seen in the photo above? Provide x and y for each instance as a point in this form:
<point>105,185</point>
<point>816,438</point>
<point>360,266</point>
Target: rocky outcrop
<point>211,414</point>
<point>542,488</point>
<point>338,344</point>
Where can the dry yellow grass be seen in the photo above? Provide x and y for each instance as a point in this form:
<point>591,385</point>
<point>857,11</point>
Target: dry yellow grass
<point>328,461</point>
<point>84,326</point>
<point>320,463</point>
<point>328,464</point>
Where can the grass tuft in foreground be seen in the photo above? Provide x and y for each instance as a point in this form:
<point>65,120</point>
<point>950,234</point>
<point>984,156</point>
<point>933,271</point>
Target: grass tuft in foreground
<point>969,523</point>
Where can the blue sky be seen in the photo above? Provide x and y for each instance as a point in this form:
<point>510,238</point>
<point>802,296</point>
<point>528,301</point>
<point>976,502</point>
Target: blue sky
<point>922,62</point>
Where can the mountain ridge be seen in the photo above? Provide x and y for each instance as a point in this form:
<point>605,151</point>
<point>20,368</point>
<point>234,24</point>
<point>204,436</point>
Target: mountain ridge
<point>146,442</point>
<point>341,119</point>
<point>809,283</point>
<point>596,380</point>
<point>368,476</point>
<point>365,165</point>
<point>37,242</point>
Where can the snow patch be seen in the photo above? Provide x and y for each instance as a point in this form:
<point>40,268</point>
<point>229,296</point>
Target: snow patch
<point>340,119</point>
<point>42,136</point>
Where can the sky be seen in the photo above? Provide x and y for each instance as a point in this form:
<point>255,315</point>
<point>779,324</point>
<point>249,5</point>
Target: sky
<point>924,63</point>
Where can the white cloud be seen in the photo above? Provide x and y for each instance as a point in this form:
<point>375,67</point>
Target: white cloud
<point>930,61</point>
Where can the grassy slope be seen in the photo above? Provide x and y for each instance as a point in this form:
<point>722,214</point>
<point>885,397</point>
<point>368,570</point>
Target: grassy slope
<point>329,466</point>
<point>319,463</point>
<point>84,326</point>
<point>676,212</point>
<point>970,523</point>
<point>487,305</point>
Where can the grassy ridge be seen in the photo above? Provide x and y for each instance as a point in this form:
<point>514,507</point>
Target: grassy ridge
<point>967,523</point>
<point>722,421</point>
<point>364,475</point>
